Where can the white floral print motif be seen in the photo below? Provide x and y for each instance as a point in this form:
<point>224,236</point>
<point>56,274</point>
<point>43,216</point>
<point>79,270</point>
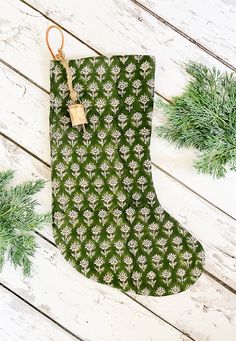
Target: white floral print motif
<point>107,220</point>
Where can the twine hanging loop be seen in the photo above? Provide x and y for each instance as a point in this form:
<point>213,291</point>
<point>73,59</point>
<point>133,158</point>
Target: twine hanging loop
<point>60,50</point>
<point>76,110</point>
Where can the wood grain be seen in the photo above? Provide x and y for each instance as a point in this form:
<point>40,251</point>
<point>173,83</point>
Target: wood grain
<point>108,26</point>
<point>210,23</point>
<point>20,322</point>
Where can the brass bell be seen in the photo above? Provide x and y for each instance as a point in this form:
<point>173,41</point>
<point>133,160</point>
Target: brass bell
<point>77,115</point>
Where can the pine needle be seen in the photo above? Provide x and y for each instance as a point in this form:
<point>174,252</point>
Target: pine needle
<point>18,221</point>
<point>204,117</point>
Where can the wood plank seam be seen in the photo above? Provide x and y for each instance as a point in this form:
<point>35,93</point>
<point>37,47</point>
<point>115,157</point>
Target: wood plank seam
<point>207,273</point>
<point>41,312</point>
<point>185,35</point>
<point>63,28</point>
<point>23,75</point>
<point>24,149</point>
<point>164,320</point>
<point>193,191</point>
<point>156,16</point>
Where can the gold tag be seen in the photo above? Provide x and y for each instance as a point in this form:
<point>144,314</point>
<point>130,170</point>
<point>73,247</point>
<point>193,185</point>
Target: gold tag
<point>77,115</point>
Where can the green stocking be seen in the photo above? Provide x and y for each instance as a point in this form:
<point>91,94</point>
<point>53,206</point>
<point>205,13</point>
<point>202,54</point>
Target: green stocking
<point>107,220</point>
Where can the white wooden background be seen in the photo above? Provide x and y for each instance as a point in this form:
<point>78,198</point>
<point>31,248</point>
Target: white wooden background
<point>57,303</point>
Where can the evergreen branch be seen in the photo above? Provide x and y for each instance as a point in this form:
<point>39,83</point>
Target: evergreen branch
<point>18,221</point>
<point>21,250</point>
<point>204,117</point>
<point>5,177</point>
<point>27,188</point>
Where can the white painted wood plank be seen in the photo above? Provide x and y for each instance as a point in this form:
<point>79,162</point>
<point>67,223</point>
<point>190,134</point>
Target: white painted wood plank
<point>211,22</point>
<point>70,292</point>
<point>208,313</point>
<point>21,48</point>
<point>24,113</point>
<point>20,322</point>
<point>110,26</point>
<point>23,45</point>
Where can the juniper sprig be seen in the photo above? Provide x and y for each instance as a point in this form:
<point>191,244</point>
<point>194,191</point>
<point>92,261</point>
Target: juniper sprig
<point>18,221</point>
<point>204,117</point>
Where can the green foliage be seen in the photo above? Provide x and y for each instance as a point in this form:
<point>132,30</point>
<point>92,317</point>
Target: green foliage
<point>204,117</point>
<point>18,220</point>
